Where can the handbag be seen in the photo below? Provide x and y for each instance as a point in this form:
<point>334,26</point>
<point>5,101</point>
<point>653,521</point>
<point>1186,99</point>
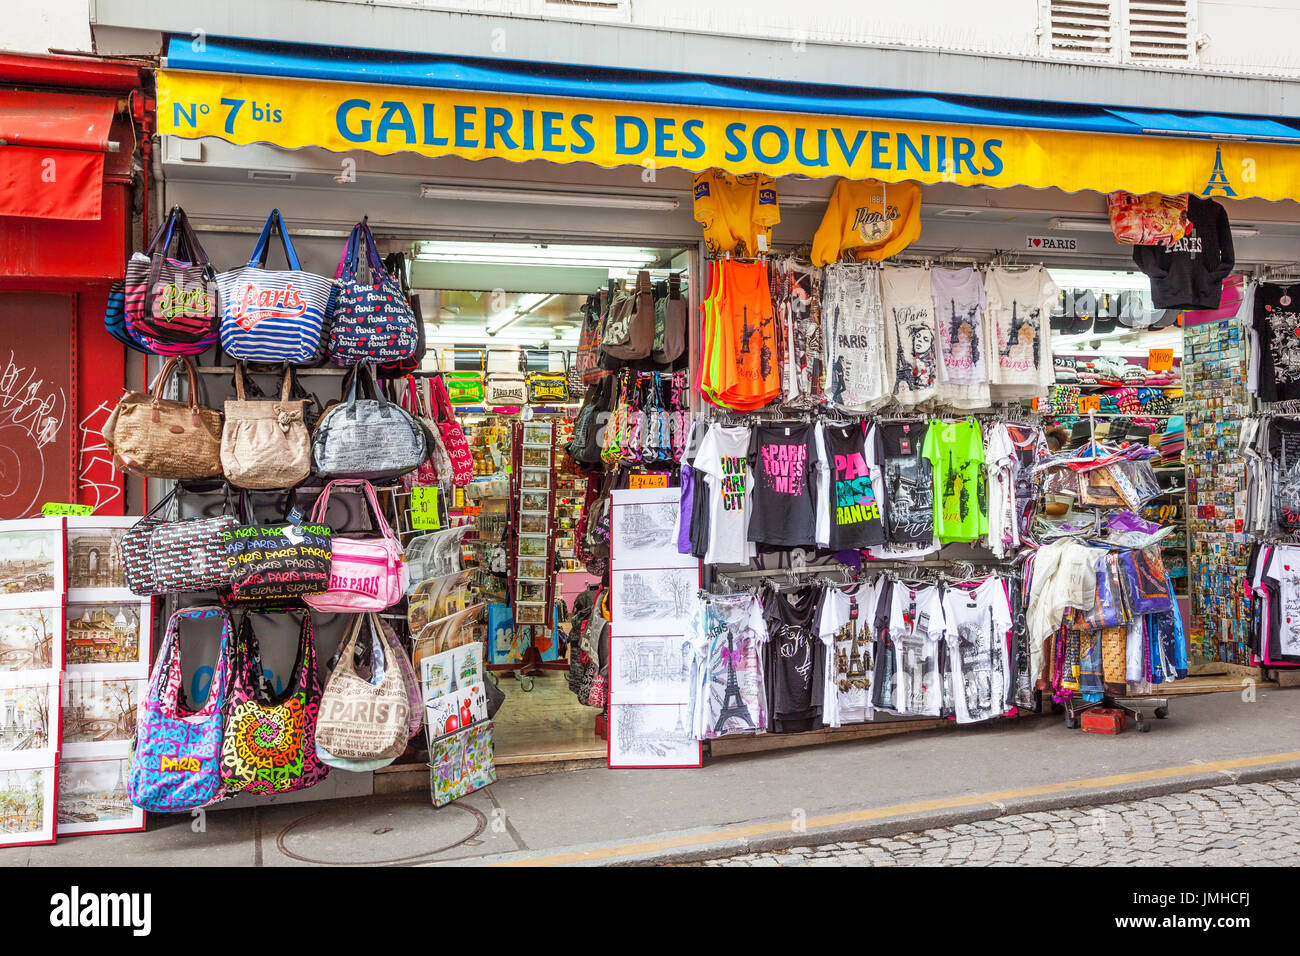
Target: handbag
<point>453,436</point>
<point>171,303</point>
<point>670,323</point>
<point>115,319</point>
<point>465,387</point>
<point>268,315</point>
<point>360,719</point>
<point>159,438</point>
<point>506,389</point>
<point>549,388</point>
<point>395,265</point>
<point>276,564</point>
<point>585,445</point>
<point>171,557</point>
<point>265,444</point>
<point>176,761</point>
<point>367,437</point>
<point>1147,220</point>
<point>366,574</point>
<point>587,365</point>
<point>630,325</point>
<point>372,320</point>
<point>436,466</point>
<point>269,742</point>
<point>460,763</point>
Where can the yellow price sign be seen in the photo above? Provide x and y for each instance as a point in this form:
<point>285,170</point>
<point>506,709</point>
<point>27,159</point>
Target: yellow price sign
<point>1160,360</point>
<point>424,509</point>
<point>648,481</point>
<point>1089,403</point>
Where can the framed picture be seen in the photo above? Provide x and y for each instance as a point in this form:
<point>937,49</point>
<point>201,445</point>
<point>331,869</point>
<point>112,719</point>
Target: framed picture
<point>653,601</point>
<point>651,736</point>
<point>99,711</point>
<point>528,591</point>
<point>530,613</point>
<point>648,670</point>
<point>535,478</point>
<point>531,569</point>
<point>645,531</point>
<point>27,801</point>
<point>533,545</point>
<point>95,571</point>
<point>31,639</point>
<point>537,433</point>
<point>535,501</point>
<point>536,457</point>
<point>29,717</point>
<point>451,670</point>
<point>92,798</point>
<point>31,562</point>
<point>534,522</point>
<point>108,633</point>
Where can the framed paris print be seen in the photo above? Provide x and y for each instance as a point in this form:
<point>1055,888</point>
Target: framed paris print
<point>92,797</point>
<point>31,562</point>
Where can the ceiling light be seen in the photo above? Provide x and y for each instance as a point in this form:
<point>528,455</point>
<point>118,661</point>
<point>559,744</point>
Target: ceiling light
<point>521,309</point>
<point>538,197</point>
<point>1103,225</point>
<point>536,254</point>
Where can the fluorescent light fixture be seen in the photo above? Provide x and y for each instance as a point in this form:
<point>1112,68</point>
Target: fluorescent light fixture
<point>1103,225</point>
<point>536,254</point>
<point>524,307</point>
<point>540,197</point>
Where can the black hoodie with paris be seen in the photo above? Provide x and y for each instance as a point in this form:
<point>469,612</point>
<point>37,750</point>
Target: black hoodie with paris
<point>1189,273</point>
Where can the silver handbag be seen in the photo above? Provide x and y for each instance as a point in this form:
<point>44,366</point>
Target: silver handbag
<point>368,437</point>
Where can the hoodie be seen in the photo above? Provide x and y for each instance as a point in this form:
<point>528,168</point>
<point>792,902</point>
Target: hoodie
<point>1189,273</point>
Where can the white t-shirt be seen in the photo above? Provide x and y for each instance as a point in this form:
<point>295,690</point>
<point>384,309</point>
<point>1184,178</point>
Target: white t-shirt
<point>1284,569</point>
<point>891,550</point>
<point>963,352</point>
<point>911,342</point>
<point>916,627</point>
<point>1018,332</point>
<point>723,460</point>
<point>855,346</point>
<point>978,660</point>
<point>845,621</point>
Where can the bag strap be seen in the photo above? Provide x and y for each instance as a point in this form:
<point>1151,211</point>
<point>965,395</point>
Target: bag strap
<point>274,224</point>
<point>168,368</point>
<point>240,394</point>
<point>381,523</point>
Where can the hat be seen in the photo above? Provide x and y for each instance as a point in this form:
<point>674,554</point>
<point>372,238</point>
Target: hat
<point>1166,318</point>
<point>1107,312</point>
<point>1132,310</point>
<point>1078,309</point>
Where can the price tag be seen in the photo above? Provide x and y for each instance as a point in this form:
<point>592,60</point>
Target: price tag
<point>1160,360</point>
<point>55,508</point>
<point>424,509</point>
<point>648,481</point>
<point>1090,403</point>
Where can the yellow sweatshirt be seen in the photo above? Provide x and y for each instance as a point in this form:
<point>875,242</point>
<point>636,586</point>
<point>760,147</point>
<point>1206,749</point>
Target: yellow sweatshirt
<point>872,218</point>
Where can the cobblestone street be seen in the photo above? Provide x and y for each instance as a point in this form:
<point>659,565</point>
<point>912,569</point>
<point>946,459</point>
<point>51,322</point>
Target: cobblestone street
<point>1250,825</point>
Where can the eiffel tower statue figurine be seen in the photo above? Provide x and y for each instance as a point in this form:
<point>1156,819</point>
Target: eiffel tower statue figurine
<point>732,705</point>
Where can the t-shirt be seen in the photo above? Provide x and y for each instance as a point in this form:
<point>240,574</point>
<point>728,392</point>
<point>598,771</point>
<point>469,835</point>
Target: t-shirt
<point>874,220</point>
<point>855,346</point>
<point>782,457</point>
<point>848,514</point>
<point>959,319</point>
<point>794,661</point>
<point>1020,359</point>
<point>726,637</point>
<point>744,354</point>
<point>977,622</point>
<point>723,460</point>
<point>1277,323</point>
<point>738,212</point>
<point>1013,451</point>
<point>845,621</point>
<point>956,450</point>
<point>910,338</point>
<point>797,298</point>
<point>687,510</point>
<point>916,629</point>
<point>908,481</point>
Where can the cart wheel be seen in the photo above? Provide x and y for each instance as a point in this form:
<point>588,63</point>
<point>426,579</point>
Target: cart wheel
<point>526,684</point>
<point>1161,713</point>
<point>1143,725</point>
<point>1071,721</point>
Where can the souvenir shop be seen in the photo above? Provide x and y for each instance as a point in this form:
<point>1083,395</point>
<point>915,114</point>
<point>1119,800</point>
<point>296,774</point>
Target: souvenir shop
<point>611,461</point>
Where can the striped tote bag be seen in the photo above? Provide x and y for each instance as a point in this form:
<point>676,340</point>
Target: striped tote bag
<point>273,316</point>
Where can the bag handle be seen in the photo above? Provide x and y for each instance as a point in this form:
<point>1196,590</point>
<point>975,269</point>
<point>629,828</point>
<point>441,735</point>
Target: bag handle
<point>482,357</point>
<point>161,383</point>
<point>274,223</point>
<point>381,523</point>
<point>362,230</point>
<point>170,656</point>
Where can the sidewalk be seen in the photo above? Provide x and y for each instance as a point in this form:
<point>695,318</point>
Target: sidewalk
<point>853,790</point>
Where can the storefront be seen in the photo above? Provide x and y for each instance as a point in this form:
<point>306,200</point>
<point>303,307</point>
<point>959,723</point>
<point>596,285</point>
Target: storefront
<point>68,188</point>
<point>516,196</point>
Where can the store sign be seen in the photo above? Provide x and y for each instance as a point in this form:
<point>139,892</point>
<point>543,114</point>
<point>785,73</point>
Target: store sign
<point>424,509</point>
<point>1160,360</point>
<point>294,113</point>
<point>1050,244</point>
<point>58,508</point>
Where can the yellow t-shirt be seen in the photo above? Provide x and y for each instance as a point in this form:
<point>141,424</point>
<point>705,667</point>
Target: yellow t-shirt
<point>736,211</point>
<point>871,218</point>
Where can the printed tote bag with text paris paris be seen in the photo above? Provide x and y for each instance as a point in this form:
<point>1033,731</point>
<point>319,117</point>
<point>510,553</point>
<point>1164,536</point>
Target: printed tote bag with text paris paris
<point>272,316</point>
<point>373,321</point>
<point>177,760</point>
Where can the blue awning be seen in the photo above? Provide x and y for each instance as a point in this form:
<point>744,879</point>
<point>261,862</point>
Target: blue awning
<point>400,69</point>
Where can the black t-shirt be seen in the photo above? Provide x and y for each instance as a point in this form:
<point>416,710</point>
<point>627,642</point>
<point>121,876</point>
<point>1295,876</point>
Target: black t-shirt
<point>909,482</point>
<point>795,661</point>
<point>1284,449</point>
<point>782,510</point>
<point>1277,323</point>
<point>882,677</point>
<point>853,502</point>
<point>1189,273</point>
